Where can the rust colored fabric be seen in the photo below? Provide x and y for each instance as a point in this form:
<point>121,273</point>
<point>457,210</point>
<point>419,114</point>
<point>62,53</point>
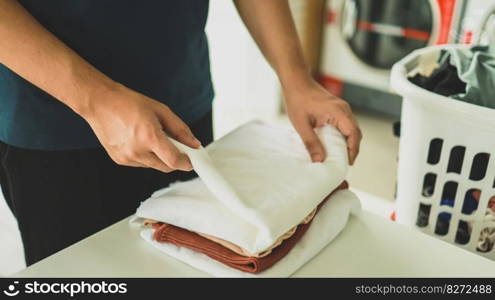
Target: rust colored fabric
<point>184,238</point>
<point>149,223</point>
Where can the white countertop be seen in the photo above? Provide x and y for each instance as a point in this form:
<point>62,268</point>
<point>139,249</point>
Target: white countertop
<point>370,246</point>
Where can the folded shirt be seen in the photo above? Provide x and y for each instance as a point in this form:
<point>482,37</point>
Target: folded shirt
<point>237,249</point>
<point>325,227</point>
<point>266,252</point>
<point>188,239</point>
<point>166,233</point>
<point>255,184</point>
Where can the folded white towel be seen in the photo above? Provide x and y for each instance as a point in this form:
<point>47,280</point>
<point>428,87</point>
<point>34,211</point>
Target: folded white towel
<point>254,184</point>
<point>326,225</point>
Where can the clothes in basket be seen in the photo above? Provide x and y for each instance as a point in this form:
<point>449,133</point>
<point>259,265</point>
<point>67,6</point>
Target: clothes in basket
<point>463,74</point>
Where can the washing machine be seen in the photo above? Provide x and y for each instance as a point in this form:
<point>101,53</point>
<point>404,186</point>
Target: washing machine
<point>363,38</point>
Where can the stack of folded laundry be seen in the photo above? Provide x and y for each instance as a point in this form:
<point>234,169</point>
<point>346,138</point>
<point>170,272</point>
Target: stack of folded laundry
<point>259,206</point>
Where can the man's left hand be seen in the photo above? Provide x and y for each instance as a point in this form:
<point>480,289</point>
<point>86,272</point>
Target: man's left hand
<point>310,106</point>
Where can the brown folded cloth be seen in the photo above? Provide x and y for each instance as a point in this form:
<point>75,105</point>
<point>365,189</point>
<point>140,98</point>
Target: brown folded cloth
<point>184,238</point>
<point>150,223</point>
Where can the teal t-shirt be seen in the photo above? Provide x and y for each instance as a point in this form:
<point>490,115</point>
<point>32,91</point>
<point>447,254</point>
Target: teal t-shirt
<point>158,48</point>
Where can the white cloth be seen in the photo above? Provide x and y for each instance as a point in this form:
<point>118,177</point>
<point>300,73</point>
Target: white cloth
<point>326,225</point>
<point>254,184</point>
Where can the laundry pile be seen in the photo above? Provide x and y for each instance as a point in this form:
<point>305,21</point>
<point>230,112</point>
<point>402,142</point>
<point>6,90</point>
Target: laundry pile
<point>259,207</point>
<point>464,74</point>
<point>470,205</point>
<point>467,75</point>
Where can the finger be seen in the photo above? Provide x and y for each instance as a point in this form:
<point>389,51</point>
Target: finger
<point>170,155</point>
<point>310,140</point>
<point>353,148</point>
<point>177,129</point>
<point>152,161</point>
<point>350,129</point>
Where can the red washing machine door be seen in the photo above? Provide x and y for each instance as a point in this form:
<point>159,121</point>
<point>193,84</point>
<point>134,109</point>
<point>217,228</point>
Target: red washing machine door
<point>381,32</point>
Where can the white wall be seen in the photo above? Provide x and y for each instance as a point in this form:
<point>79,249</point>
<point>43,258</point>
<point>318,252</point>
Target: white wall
<point>245,85</point>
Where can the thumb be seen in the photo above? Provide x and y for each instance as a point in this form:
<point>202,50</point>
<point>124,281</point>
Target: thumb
<point>175,128</point>
<point>311,141</point>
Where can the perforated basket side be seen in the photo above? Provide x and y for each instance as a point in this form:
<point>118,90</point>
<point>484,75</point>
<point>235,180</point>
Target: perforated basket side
<point>461,134</point>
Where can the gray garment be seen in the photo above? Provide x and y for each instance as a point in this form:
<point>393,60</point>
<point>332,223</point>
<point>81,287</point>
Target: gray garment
<point>475,67</point>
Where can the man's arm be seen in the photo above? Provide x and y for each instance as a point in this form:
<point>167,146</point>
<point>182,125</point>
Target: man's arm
<point>129,125</point>
<point>308,104</point>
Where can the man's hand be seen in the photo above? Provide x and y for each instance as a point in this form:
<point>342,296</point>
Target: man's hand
<point>133,129</point>
<point>309,106</point>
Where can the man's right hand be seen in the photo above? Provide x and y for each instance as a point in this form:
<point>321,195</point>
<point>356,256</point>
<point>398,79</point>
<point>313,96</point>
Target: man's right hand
<point>134,130</point>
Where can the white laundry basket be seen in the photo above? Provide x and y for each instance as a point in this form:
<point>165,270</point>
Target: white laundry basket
<point>441,139</point>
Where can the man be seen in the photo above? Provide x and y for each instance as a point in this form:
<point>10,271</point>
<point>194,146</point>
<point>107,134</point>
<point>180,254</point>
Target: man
<point>90,90</point>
